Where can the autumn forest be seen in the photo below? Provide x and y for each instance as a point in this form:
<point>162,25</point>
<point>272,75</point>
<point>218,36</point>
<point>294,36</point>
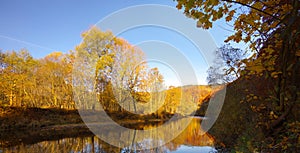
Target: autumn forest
<point>106,72</point>
<point>47,82</point>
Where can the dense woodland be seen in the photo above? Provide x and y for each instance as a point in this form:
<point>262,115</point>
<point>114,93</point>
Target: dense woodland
<point>29,82</point>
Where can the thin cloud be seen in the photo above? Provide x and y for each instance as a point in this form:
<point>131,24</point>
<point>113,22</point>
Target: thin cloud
<point>26,42</point>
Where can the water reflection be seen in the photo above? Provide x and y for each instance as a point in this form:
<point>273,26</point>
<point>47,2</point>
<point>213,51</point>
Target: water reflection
<point>191,139</point>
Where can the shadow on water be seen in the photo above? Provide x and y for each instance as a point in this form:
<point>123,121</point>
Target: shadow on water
<point>78,138</point>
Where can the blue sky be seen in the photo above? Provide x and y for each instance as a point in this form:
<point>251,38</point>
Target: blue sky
<point>46,26</point>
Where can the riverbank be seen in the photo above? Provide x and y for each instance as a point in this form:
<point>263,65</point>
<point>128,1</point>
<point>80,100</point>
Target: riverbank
<point>13,137</point>
<point>31,125</point>
<point>16,118</point>
<point>13,118</point>
<point>77,138</point>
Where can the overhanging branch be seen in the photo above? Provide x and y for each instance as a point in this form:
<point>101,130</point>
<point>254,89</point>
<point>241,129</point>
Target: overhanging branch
<point>240,3</point>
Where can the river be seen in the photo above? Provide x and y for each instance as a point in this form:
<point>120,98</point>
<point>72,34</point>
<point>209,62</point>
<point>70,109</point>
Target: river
<point>76,139</point>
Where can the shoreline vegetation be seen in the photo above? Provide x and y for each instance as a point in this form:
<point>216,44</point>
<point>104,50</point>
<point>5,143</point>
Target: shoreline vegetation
<point>22,124</point>
<point>17,118</point>
<point>32,125</point>
<point>16,139</point>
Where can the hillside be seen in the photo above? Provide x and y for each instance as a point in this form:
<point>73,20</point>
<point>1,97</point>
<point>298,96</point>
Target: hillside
<point>245,120</point>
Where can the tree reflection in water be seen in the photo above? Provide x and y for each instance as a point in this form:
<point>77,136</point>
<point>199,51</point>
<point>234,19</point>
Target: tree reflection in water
<point>192,136</point>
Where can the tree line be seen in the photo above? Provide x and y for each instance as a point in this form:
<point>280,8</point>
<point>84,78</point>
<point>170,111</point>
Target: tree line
<point>114,69</point>
<point>29,82</point>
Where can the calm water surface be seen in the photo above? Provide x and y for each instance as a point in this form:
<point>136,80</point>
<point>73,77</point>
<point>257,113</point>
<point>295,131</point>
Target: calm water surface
<point>191,140</point>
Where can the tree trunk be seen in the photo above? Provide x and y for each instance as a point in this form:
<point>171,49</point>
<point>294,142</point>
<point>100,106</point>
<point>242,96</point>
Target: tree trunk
<point>287,93</point>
